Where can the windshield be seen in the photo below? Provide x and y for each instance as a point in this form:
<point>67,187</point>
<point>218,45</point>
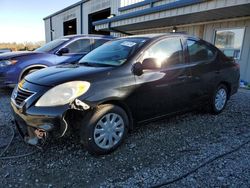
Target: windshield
<point>113,53</point>
<point>51,45</point>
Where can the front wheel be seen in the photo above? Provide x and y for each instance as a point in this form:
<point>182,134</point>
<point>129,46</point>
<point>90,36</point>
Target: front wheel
<point>219,99</point>
<point>105,130</point>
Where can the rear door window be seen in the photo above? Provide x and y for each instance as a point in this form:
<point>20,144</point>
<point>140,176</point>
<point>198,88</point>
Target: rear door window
<point>199,52</point>
<point>99,42</point>
<point>79,46</point>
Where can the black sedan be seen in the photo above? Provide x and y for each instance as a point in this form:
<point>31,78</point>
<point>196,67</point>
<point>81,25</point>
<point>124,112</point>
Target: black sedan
<point>126,81</point>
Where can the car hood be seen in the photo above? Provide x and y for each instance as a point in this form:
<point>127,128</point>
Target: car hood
<point>12,55</point>
<point>56,75</point>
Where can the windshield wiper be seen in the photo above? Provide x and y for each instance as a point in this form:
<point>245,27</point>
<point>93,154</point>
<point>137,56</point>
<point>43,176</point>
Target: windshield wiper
<point>74,62</point>
<point>95,64</point>
<point>86,64</point>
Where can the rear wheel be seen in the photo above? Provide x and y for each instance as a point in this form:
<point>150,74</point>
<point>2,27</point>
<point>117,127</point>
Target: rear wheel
<point>105,130</point>
<point>219,99</point>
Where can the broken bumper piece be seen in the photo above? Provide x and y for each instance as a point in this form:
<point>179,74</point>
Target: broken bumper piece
<point>36,125</point>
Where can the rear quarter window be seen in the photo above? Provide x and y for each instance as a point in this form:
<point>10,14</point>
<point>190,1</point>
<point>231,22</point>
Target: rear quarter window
<point>199,52</point>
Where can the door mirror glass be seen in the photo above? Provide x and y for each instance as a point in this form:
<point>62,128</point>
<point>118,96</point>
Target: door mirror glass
<point>62,51</point>
<point>151,64</point>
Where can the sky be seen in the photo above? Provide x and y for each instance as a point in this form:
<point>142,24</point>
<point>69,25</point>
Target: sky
<point>22,20</point>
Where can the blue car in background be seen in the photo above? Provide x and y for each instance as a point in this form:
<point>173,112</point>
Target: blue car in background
<point>14,66</point>
<point>3,50</point>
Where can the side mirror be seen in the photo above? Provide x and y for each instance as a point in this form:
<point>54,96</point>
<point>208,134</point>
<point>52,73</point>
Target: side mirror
<point>150,63</point>
<point>62,51</point>
<point>137,69</point>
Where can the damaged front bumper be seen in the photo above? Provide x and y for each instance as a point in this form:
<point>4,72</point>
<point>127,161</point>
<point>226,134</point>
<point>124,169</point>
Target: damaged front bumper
<point>36,124</point>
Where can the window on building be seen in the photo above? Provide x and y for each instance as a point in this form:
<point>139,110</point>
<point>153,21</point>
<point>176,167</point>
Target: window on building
<point>199,52</point>
<point>79,46</point>
<point>70,27</point>
<point>230,41</point>
<point>168,52</point>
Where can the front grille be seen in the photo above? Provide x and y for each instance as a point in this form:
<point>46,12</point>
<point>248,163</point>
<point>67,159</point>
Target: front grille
<point>22,95</point>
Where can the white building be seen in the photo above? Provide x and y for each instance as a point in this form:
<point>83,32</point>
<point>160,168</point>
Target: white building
<point>225,23</point>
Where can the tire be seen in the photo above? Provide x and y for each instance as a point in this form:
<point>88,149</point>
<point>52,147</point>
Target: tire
<point>105,130</point>
<point>219,99</point>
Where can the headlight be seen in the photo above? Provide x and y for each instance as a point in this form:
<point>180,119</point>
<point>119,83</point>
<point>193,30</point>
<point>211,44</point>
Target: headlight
<point>63,94</point>
<point>5,63</point>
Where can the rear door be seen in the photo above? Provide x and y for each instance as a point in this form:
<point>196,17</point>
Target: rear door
<point>204,67</point>
<point>166,90</point>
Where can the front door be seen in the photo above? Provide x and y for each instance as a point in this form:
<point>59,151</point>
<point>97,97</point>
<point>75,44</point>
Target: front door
<point>166,89</point>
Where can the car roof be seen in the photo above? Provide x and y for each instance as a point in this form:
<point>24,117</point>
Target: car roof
<point>159,35</point>
<point>89,36</point>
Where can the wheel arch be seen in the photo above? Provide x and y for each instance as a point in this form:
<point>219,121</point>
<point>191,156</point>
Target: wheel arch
<point>125,107</point>
<point>228,86</point>
<point>28,68</point>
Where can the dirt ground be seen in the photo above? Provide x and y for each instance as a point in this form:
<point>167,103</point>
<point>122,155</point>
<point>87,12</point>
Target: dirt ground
<point>195,149</point>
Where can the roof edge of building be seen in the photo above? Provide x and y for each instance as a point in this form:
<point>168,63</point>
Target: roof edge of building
<point>168,6</point>
<point>65,9</point>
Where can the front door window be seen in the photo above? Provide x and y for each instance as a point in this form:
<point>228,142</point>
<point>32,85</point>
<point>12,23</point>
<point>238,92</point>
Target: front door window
<point>168,52</point>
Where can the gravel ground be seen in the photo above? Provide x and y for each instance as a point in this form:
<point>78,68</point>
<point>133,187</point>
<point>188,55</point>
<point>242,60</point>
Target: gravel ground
<point>189,147</point>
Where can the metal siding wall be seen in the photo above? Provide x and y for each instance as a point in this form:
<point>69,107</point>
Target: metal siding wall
<point>87,8</point>
<point>191,30</point>
<point>115,4</point>
<point>90,7</point>
<point>47,30</point>
<point>128,2</point>
<point>200,7</point>
<point>97,5</point>
<point>135,9</point>
<point>209,34</point>
<point>58,20</point>
<point>164,2</point>
<point>85,13</point>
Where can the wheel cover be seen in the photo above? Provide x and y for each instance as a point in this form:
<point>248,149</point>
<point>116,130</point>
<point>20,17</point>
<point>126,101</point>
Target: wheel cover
<point>109,130</point>
<point>220,99</point>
